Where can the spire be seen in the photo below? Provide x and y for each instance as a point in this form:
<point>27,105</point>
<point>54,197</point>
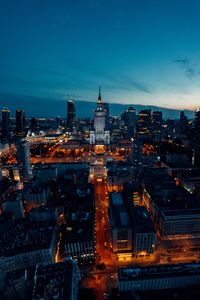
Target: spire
<point>99,98</point>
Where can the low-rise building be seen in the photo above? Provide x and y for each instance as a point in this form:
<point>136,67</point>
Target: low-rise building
<point>57,281</point>
<point>158,277</point>
<point>14,205</point>
<point>28,244</point>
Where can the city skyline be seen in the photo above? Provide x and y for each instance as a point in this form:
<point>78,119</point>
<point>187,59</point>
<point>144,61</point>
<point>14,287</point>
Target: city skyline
<point>141,52</point>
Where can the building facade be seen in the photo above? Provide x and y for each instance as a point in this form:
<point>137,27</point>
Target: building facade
<point>100,134</point>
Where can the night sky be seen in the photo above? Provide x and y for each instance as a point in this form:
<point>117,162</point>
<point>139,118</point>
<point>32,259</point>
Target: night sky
<point>140,51</point>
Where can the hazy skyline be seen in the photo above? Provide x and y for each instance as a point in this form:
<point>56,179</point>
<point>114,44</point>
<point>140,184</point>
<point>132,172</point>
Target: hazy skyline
<point>140,51</point>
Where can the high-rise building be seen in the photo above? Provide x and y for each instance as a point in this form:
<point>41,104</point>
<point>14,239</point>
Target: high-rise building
<point>33,124</point>
<point>144,120</point>
<point>129,118</point>
<point>157,120</point>
<point>100,135</point>
<point>23,158</point>
<point>71,114</point>
<point>5,122</point>
<point>197,119</point>
<point>20,122</point>
<point>183,122</point>
<point>131,121</point>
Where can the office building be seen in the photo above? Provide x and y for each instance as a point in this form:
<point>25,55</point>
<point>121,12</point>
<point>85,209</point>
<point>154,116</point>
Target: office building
<point>5,122</point>
<point>157,121</point>
<point>144,121</point>
<point>144,234</point>
<point>158,277</point>
<point>71,114</point>
<point>183,123</point>
<point>57,281</point>
<point>33,124</point>
<point>23,159</point>
<point>180,221</point>
<point>20,123</point>
<point>129,118</point>
<point>120,225</point>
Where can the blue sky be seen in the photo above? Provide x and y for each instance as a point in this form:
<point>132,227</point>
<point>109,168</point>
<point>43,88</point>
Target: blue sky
<point>140,51</point>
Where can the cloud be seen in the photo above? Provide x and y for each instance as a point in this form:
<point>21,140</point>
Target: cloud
<point>190,68</point>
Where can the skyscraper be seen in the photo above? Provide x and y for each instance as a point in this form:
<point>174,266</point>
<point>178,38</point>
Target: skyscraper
<point>131,121</point>
<point>100,135</point>
<point>157,120</point>
<point>5,122</point>
<point>144,120</point>
<point>23,158</point>
<point>71,114</point>
<point>183,122</point>
<point>33,124</point>
<point>20,122</point>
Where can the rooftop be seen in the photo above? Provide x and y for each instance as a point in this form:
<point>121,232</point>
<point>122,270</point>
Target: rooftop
<point>157,271</point>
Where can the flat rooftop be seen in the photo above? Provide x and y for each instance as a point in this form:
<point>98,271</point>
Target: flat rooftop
<point>158,271</point>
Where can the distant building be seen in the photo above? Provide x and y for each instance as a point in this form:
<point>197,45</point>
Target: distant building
<point>157,121</point>
<point>71,114</point>
<point>100,134</point>
<point>57,281</point>
<point>5,122</point>
<point>120,225</point>
<point>33,124</point>
<point>20,123</point>
<point>144,121</point>
<point>158,277</point>
<point>183,123</point>
<point>23,158</point>
<point>129,118</point>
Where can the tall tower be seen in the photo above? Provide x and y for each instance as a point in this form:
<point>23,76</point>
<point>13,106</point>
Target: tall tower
<point>5,122</point>
<point>23,159</point>
<point>131,121</point>
<point>20,122</point>
<point>100,135</point>
<point>71,114</point>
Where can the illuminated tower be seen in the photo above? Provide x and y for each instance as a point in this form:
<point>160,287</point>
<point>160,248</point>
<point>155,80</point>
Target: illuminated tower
<point>20,123</point>
<point>100,135</point>
<point>5,122</point>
